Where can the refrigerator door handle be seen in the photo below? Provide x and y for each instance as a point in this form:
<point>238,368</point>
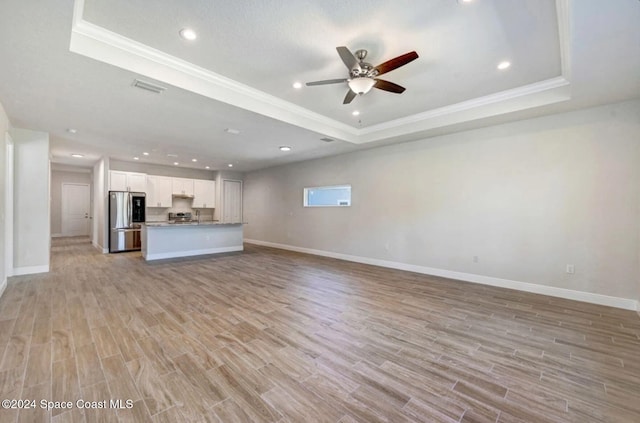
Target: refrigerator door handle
<point>130,208</point>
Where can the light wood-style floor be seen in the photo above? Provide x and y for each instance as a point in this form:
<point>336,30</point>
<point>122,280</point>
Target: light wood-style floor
<point>273,336</point>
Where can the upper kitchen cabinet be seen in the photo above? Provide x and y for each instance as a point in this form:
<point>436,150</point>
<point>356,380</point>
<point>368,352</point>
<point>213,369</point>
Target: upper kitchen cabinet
<point>159,190</point>
<point>204,194</point>
<point>127,181</point>
<point>137,182</point>
<point>182,186</point>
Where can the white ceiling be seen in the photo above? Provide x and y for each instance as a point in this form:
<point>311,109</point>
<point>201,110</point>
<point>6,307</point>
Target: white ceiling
<point>59,70</point>
<point>268,48</point>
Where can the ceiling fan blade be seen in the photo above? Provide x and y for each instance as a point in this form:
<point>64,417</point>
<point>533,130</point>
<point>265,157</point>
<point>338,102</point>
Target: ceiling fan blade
<point>349,97</point>
<point>395,63</point>
<point>388,86</point>
<point>347,57</point>
<point>326,82</point>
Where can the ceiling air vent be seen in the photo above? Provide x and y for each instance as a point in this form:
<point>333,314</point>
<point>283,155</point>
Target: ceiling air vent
<point>144,85</point>
<point>327,139</point>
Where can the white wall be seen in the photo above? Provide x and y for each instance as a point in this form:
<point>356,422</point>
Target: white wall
<point>4,127</point>
<point>527,198</point>
<point>58,178</point>
<point>31,229</point>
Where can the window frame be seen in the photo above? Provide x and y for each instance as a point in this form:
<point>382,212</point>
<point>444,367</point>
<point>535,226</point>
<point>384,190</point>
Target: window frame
<point>305,195</point>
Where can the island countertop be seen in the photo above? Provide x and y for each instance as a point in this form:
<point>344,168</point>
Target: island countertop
<point>163,224</point>
<point>163,240</point>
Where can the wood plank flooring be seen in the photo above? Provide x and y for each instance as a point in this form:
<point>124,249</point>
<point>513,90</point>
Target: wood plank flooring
<point>273,336</point>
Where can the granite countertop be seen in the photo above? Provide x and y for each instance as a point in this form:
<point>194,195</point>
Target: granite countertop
<point>202,223</point>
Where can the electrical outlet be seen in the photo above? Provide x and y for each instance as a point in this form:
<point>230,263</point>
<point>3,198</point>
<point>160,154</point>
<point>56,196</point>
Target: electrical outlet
<point>571,269</point>
<point>475,259</point>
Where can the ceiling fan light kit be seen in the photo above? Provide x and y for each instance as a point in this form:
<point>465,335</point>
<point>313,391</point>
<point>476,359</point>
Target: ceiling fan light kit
<point>363,76</point>
<point>361,85</point>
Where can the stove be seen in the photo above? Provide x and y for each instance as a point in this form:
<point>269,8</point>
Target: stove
<point>180,218</point>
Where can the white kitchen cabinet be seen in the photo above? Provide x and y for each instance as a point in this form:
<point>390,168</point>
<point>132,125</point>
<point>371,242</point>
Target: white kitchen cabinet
<point>117,181</point>
<point>137,182</point>
<point>182,186</point>
<point>127,181</point>
<point>204,193</point>
<point>159,190</point>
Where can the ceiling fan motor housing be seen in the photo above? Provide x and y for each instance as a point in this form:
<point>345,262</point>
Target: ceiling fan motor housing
<point>363,70</point>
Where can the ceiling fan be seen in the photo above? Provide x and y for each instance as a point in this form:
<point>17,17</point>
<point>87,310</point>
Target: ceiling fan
<point>363,76</point>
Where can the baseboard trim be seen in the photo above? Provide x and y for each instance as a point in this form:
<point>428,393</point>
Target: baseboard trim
<point>30,270</point>
<point>191,253</point>
<point>3,286</point>
<point>587,297</point>
<point>99,248</point>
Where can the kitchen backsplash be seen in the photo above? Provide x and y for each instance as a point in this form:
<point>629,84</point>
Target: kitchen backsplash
<point>180,205</point>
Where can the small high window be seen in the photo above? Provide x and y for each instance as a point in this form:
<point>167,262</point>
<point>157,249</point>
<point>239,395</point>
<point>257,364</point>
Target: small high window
<point>333,196</point>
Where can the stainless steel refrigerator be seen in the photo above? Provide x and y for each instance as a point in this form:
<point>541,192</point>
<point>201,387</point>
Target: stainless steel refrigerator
<point>126,214</point>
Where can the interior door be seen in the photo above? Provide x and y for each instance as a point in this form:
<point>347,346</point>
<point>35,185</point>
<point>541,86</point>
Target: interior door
<point>75,209</point>
<point>231,201</point>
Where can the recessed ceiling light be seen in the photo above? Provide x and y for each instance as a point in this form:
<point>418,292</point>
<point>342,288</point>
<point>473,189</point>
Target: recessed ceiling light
<point>188,34</point>
<point>77,155</point>
<point>285,148</point>
<point>355,113</point>
<point>172,155</point>
<point>297,85</point>
<point>230,165</point>
<point>465,1</point>
<point>176,163</point>
<point>145,153</point>
<point>136,158</point>
<point>194,160</point>
<point>232,131</point>
<point>207,167</point>
<point>504,65</point>
<point>72,130</point>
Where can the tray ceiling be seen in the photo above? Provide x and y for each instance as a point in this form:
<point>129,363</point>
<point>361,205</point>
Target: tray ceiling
<point>268,48</point>
<point>72,66</point>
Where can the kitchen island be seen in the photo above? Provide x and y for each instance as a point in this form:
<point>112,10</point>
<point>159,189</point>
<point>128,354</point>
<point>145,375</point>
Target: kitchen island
<point>162,240</point>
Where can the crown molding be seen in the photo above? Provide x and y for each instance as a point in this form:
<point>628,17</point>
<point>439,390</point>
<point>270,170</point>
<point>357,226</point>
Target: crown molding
<point>533,95</point>
<point>563,10</point>
<point>106,46</point>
